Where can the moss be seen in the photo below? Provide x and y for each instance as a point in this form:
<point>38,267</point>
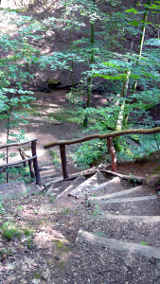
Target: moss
<point>156,170</point>
<point>53,82</point>
<point>60,245</point>
<point>29,243</point>
<point>153,180</point>
<point>28,232</point>
<point>37,275</point>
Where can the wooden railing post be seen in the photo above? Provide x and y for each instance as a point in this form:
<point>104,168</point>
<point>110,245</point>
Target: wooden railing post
<point>30,163</point>
<point>35,162</point>
<point>112,153</point>
<point>63,161</point>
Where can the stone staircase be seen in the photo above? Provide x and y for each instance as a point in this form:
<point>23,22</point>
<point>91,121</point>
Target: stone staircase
<point>118,240</point>
<point>119,237</point>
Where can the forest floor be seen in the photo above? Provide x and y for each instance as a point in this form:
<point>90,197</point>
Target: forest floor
<point>40,247</point>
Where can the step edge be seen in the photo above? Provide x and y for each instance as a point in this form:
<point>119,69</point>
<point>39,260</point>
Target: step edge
<point>119,193</point>
<point>125,246</point>
<point>129,199</point>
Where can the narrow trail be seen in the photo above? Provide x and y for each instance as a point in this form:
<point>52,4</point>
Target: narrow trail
<point>42,125</point>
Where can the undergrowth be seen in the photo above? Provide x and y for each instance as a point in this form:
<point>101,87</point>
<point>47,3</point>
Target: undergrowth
<point>102,120</point>
<point>16,174</point>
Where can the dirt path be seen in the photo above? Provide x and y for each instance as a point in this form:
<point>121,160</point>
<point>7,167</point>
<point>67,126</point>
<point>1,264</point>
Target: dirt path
<point>43,126</point>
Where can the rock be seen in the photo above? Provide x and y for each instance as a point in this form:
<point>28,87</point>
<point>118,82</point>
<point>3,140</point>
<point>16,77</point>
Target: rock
<point>43,87</point>
<point>45,274</point>
<point>153,180</point>
<point>53,83</point>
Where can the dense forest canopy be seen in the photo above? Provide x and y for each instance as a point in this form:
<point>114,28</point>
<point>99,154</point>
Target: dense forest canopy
<point>110,47</point>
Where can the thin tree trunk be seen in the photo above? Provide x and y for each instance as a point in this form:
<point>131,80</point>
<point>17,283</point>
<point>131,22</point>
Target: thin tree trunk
<point>145,19</point>
<point>7,140</point>
<point>91,61</point>
<point>121,114</point>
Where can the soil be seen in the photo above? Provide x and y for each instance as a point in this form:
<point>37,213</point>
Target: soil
<point>48,229</point>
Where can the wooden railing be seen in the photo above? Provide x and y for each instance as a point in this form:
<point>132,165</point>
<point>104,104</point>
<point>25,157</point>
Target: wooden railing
<point>31,160</point>
<point>108,136</point>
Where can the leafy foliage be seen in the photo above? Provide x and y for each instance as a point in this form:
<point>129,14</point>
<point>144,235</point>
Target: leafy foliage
<point>108,51</point>
<point>89,152</point>
<point>9,231</point>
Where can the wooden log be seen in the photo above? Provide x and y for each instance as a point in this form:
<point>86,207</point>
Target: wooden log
<point>35,162</point>
<point>30,164</point>
<point>22,154</point>
<point>25,156</point>
<point>63,161</point>
<point>16,144</point>
<point>103,136</point>
<point>86,173</point>
<point>17,163</point>
<point>128,177</point>
<point>112,153</point>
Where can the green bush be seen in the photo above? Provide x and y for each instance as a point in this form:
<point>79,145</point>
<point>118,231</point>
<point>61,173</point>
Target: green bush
<point>89,152</point>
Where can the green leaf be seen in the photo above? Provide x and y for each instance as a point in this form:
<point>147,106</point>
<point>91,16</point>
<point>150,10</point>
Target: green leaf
<point>153,42</point>
<point>132,10</point>
<point>134,23</point>
<point>111,77</point>
<point>143,243</point>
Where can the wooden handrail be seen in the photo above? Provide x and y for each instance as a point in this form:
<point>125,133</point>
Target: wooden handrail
<point>103,136</point>
<point>17,163</point>
<point>109,136</point>
<point>30,159</point>
<point>16,144</point>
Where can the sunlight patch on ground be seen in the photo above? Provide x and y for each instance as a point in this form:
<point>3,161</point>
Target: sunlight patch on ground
<point>46,237</point>
<point>14,153</point>
<point>51,108</point>
<point>43,111</point>
<point>3,137</point>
